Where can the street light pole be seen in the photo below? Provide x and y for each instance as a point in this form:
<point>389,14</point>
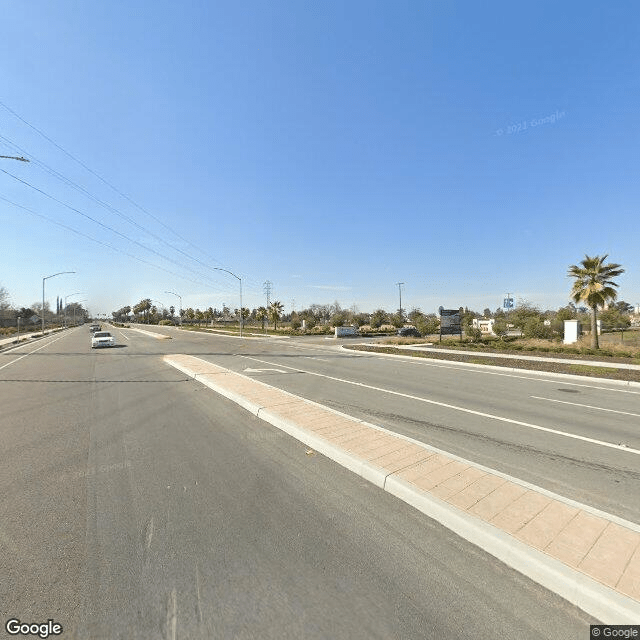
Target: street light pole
<point>77,293</point>
<point>180,310</point>
<point>239,280</point>
<point>400,291</point>
<point>46,278</point>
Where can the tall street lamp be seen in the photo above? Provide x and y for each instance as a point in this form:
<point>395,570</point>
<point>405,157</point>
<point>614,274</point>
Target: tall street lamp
<point>162,304</point>
<point>240,280</point>
<point>180,310</point>
<point>46,278</point>
<point>400,291</point>
<point>74,311</point>
<point>77,293</point>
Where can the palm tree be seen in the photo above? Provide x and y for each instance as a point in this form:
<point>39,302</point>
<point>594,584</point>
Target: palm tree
<point>262,314</point>
<point>593,284</point>
<point>275,309</point>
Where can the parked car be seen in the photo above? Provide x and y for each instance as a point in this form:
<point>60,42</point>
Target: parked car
<point>102,339</point>
<point>409,332</point>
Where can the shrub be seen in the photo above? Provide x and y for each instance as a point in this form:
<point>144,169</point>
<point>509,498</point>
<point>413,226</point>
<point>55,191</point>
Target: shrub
<point>534,327</point>
<point>378,318</point>
<point>428,325</point>
<point>474,333</point>
<point>164,323</point>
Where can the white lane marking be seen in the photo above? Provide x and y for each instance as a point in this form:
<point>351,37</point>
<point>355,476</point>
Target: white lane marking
<point>587,406</point>
<point>574,436</point>
<point>430,362</point>
<point>30,352</point>
<point>262,370</point>
<point>123,335</point>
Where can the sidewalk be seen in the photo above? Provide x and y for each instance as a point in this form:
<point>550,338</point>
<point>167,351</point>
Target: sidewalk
<point>509,356</point>
<point>588,557</point>
<point>10,340</point>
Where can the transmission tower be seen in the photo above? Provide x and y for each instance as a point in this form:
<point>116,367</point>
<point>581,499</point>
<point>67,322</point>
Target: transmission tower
<point>267,289</point>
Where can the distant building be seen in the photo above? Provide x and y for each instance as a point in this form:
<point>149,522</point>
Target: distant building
<point>485,326</point>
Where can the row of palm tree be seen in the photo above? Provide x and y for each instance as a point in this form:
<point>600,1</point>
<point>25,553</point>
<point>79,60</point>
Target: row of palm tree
<point>273,313</point>
<point>593,285</point>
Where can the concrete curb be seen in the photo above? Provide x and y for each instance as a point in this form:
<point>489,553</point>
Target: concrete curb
<point>158,336</point>
<point>523,356</point>
<point>597,599</point>
<point>30,338</point>
<point>548,374</point>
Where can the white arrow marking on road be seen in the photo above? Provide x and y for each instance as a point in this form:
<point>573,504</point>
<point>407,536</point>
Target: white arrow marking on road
<point>262,370</point>
<point>457,408</point>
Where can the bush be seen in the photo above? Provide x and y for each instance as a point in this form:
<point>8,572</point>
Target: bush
<point>296,324</point>
<point>428,325</point>
<point>378,318</point>
<point>474,333</point>
<point>534,327</point>
<point>165,323</point>
<point>309,322</point>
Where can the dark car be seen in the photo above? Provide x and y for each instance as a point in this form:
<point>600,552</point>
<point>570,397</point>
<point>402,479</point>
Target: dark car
<point>94,327</point>
<point>409,332</point>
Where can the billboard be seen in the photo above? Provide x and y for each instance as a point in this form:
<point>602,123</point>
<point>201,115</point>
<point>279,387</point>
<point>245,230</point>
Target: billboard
<point>450,322</point>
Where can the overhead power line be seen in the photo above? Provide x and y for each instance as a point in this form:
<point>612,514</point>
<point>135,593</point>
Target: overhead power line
<point>101,242</point>
<point>101,224</point>
<point>108,207</point>
<point>107,183</point>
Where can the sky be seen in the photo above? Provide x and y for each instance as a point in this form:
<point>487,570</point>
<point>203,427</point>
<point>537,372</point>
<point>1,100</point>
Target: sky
<point>333,149</point>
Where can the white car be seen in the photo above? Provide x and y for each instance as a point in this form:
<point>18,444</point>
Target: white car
<point>102,339</point>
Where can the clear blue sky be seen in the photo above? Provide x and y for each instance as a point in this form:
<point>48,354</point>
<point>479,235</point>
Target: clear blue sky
<point>332,148</point>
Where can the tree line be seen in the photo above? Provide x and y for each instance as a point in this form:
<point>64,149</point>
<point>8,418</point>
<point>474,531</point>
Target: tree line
<point>593,296</point>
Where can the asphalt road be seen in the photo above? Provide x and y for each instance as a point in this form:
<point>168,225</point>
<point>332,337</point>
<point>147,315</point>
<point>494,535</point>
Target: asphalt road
<point>139,504</point>
<point>561,447</point>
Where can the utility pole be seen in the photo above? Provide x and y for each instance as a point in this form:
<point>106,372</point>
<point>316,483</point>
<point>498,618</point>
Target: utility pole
<point>43,281</point>
<point>267,289</point>
<point>177,295</point>
<point>400,291</point>
<point>239,279</point>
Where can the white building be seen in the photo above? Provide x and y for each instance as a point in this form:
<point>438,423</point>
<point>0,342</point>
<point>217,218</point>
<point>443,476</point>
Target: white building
<point>485,326</point>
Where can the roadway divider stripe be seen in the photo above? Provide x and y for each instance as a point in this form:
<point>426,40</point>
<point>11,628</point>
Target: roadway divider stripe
<point>507,372</point>
<point>159,336</point>
<point>561,544</point>
<point>454,407</point>
<point>587,406</point>
<point>30,352</point>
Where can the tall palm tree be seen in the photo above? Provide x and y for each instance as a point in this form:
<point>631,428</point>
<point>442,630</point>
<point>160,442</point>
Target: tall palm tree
<point>593,284</point>
<point>275,309</point>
